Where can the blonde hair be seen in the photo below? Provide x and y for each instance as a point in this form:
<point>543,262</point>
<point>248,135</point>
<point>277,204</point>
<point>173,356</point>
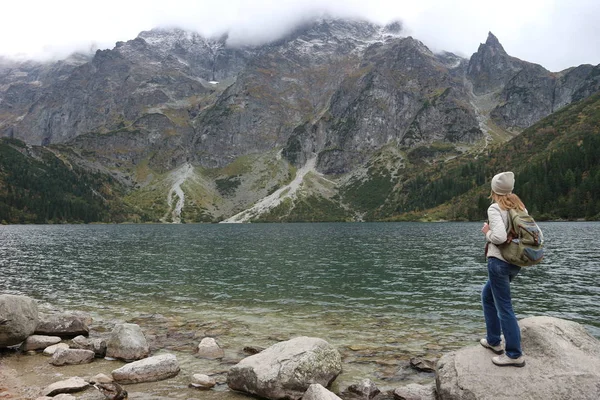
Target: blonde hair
<point>508,201</point>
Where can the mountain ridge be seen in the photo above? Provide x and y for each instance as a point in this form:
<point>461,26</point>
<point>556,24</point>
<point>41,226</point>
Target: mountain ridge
<point>368,104</point>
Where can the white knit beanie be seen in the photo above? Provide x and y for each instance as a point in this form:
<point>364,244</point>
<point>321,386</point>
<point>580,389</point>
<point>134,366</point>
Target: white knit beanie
<point>503,183</point>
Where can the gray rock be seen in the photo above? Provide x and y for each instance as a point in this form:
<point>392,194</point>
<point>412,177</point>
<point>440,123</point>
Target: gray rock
<point>71,385</point>
<point>101,378</point>
<point>18,319</point>
<point>563,363</point>
<point>62,396</point>
<point>98,346</point>
<point>366,389</point>
<point>202,381</point>
<point>422,364</point>
<point>65,326</point>
<point>127,342</point>
<point>415,391</point>
<point>209,348</point>
<point>148,370</point>
<point>318,392</point>
<point>39,342</point>
<point>251,350</point>
<point>72,357</point>
<point>287,369</point>
<point>50,350</point>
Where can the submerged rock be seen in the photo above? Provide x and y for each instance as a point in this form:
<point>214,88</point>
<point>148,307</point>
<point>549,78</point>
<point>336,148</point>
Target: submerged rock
<point>287,369</point>
<point>422,364</point>
<point>563,363</point>
<point>148,370</point>
<point>366,389</point>
<point>127,342</point>
<point>18,319</point>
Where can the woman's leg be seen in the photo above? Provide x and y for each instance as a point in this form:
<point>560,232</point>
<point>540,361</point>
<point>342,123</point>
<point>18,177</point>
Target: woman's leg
<point>500,275</point>
<point>490,313</point>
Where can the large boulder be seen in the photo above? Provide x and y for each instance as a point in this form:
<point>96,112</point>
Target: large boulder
<point>287,369</point>
<point>563,363</point>
<point>127,342</point>
<point>64,325</point>
<point>148,370</point>
<point>18,319</point>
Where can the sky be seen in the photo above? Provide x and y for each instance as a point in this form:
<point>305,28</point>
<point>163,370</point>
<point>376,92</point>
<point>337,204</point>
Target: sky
<point>557,34</point>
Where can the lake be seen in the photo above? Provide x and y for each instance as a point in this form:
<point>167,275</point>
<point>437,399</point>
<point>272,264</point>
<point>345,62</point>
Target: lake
<point>380,292</point>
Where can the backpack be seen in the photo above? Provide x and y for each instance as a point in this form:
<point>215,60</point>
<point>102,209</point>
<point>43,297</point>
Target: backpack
<point>525,244</point>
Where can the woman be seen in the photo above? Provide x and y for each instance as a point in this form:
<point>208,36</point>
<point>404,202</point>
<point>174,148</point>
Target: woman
<point>495,296</point>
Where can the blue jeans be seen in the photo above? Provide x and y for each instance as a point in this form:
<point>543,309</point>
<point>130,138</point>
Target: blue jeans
<point>497,307</point>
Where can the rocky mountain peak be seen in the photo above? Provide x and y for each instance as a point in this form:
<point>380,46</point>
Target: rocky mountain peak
<point>493,42</point>
<point>491,67</point>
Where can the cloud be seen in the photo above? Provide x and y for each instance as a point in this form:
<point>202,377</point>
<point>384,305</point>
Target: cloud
<point>555,33</point>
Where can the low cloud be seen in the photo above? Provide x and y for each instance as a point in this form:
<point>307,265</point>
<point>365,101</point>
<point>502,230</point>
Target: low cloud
<point>554,33</point>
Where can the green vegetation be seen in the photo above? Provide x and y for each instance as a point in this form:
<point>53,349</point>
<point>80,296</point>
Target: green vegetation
<point>228,186</point>
<point>36,186</point>
<point>556,163</point>
<point>306,209</point>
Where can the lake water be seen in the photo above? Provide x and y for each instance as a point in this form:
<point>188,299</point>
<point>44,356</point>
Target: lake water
<point>380,292</point>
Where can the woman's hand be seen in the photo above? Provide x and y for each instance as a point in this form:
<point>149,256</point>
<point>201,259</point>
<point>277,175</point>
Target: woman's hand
<point>486,228</point>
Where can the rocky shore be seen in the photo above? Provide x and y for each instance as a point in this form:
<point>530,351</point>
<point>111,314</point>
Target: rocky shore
<point>57,356</point>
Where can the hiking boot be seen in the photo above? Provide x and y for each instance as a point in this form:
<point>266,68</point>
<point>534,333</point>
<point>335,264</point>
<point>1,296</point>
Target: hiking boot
<point>506,361</point>
<point>496,349</point>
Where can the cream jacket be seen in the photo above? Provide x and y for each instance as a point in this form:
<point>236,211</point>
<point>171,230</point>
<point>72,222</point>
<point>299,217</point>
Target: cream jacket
<point>498,222</point>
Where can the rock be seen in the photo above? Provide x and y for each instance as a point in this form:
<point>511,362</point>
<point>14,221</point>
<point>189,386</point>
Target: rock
<point>127,342</point>
<point>563,362</point>
<point>71,385</point>
<point>64,396</point>
<point>101,378</point>
<point>98,346</point>
<point>287,369</point>
<point>366,389</point>
<point>423,365</point>
<point>209,348</point>
<point>18,319</point>
<point>150,369</point>
<point>71,357</point>
<point>50,350</point>
<point>415,391</point>
<point>251,350</point>
<point>318,392</point>
<point>202,381</point>
<point>39,342</point>
<point>64,325</point>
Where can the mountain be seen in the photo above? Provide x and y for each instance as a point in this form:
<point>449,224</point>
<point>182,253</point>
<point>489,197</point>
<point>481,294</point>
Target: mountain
<point>324,124</point>
<point>556,164</point>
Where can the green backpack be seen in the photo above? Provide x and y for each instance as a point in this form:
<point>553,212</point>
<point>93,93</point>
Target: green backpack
<point>525,244</point>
